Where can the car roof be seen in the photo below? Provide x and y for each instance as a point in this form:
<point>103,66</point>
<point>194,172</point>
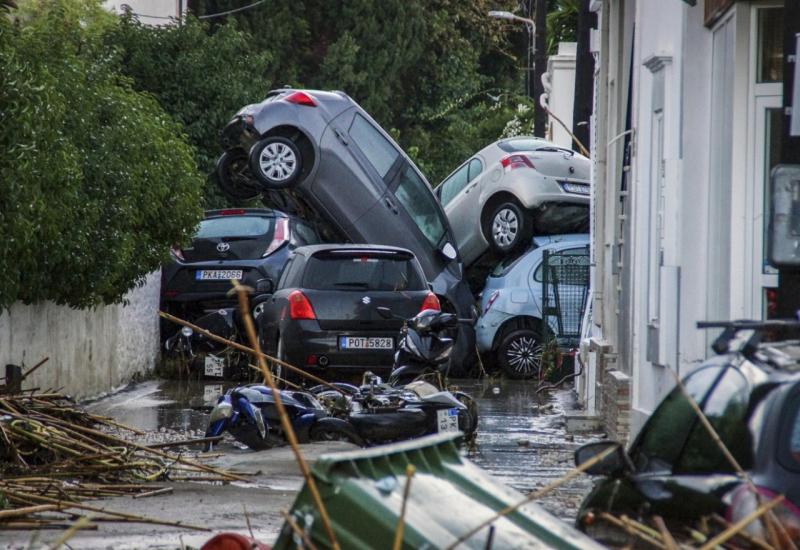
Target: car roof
<point>568,238</point>
<point>317,248</point>
<point>220,212</point>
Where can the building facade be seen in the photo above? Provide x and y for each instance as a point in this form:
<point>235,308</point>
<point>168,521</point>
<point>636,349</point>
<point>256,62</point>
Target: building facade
<point>686,128</point>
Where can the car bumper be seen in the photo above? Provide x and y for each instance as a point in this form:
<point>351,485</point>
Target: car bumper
<point>486,328</point>
<point>307,346</point>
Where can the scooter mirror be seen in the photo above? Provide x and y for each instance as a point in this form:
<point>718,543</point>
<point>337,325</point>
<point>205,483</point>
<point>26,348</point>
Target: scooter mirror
<point>384,312</point>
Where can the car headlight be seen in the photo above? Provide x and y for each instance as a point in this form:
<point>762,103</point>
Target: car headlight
<point>221,411</point>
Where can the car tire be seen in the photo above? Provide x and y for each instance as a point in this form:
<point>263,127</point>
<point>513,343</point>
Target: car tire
<point>231,177</point>
<point>508,228</point>
<point>520,354</point>
<point>276,162</point>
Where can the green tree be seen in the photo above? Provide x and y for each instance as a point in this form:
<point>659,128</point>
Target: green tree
<point>96,181</point>
<point>200,76</point>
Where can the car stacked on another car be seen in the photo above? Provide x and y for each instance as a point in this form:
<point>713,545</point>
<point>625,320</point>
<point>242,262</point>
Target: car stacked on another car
<point>323,315</point>
<point>318,154</point>
<point>250,245</point>
<point>513,189</point>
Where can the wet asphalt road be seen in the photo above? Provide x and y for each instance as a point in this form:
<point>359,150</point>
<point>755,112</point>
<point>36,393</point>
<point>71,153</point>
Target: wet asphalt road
<point>521,438</point>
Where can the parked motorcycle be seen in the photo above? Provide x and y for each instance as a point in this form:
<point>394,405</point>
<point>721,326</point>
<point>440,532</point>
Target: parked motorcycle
<point>249,414</point>
<point>197,353</point>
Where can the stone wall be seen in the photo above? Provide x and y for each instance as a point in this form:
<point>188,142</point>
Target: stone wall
<point>615,408</point>
<point>91,351</point>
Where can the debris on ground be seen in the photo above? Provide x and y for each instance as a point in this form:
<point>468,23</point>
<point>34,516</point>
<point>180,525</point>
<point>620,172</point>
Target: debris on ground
<point>55,456</point>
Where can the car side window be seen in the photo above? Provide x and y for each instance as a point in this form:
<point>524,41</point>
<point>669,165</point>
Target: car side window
<point>306,233</point>
<point>454,184</point>
<point>475,168</point>
<point>415,196</point>
<point>379,151</point>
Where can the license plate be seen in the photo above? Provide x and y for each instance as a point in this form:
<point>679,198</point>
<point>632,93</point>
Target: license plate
<point>447,420</point>
<point>218,274</point>
<point>211,393</point>
<point>575,188</point>
<point>214,366</point>
<point>361,342</point>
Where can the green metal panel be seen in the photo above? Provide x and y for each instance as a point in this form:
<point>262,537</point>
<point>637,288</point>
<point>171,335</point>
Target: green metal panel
<point>363,493</point>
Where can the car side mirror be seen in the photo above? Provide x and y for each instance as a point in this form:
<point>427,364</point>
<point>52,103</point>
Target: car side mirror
<point>264,286</point>
<point>384,312</point>
<point>449,251</point>
<point>613,464</point>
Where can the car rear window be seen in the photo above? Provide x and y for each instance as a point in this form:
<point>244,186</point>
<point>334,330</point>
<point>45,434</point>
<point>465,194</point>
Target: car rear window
<point>235,226</point>
<point>362,272</point>
<point>522,144</point>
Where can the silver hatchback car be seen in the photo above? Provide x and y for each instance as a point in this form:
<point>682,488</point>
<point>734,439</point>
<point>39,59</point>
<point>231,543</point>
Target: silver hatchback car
<point>513,189</point>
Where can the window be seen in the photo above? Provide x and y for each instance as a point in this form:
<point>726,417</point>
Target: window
<point>770,45</point>
<point>475,168</point>
<point>234,226</point>
<point>362,271</point>
<point>416,198</point>
<point>306,233</point>
<point>454,184</point>
<point>379,151</point>
<point>581,258</point>
<point>522,144</point>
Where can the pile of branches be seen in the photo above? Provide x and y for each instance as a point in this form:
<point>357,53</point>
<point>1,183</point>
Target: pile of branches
<point>54,456</point>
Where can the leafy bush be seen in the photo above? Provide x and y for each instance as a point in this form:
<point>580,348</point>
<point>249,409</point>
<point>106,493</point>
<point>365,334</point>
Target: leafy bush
<point>96,181</point>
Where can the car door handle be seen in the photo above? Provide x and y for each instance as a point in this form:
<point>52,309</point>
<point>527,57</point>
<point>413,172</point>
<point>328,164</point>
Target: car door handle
<point>341,135</point>
<point>470,188</point>
<point>390,205</point>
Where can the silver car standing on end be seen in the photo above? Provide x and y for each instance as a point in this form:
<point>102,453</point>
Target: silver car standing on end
<point>513,189</point>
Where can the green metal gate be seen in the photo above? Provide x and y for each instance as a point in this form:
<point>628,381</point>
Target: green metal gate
<point>565,289</point>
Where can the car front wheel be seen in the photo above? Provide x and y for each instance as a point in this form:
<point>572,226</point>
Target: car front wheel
<point>520,354</point>
<point>276,162</point>
<point>508,228</point>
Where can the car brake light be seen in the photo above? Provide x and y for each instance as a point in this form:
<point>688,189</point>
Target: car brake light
<point>280,236</point>
<point>232,212</point>
<point>300,307</point>
<point>301,98</point>
<point>492,297</point>
<point>177,253</point>
<point>515,161</point>
<point>431,302</point>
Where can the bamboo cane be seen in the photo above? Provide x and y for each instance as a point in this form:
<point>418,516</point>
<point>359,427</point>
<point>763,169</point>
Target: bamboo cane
<point>398,532</point>
<point>285,423</point>
<point>732,531</point>
<point>299,532</point>
<point>617,522</point>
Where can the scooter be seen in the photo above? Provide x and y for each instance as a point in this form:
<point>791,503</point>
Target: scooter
<point>210,358</point>
<point>249,414</point>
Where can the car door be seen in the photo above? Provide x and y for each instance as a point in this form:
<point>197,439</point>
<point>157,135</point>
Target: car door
<point>463,207</point>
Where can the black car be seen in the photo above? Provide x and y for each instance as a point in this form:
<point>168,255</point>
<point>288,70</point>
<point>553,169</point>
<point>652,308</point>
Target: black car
<point>323,315</point>
<point>248,244</point>
<point>319,154</point>
<point>675,469</point>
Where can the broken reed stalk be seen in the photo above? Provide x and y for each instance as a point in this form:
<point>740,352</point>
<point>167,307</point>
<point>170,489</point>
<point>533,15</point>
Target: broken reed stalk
<point>575,472</point>
<point>31,370</point>
<point>297,531</point>
<point>770,520</point>
<point>628,528</point>
<point>162,491</point>
<point>81,523</point>
<point>196,441</point>
<point>580,145</point>
<point>398,532</point>
<point>754,541</point>
<point>276,377</point>
<point>285,423</point>
<point>259,354</point>
<point>734,529</point>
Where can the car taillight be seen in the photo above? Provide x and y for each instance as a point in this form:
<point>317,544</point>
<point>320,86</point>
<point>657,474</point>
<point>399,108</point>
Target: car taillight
<point>301,98</point>
<point>492,297</point>
<point>177,253</point>
<point>431,302</point>
<point>300,307</point>
<point>515,161</point>
<point>280,236</point>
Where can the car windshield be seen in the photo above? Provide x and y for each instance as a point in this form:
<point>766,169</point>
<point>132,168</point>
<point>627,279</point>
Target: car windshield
<point>361,272</point>
<point>234,226</point>
<point>416,198</point>
<point>674,439</point>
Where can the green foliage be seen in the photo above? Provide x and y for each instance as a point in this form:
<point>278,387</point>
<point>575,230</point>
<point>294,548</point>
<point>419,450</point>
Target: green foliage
<point>562,23</point>
<point>201,78</point>
<point>95,180</point>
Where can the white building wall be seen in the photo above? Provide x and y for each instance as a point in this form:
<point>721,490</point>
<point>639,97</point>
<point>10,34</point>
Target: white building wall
<point>150,12</point>
<point>561,71</point>
<point>91,351</point>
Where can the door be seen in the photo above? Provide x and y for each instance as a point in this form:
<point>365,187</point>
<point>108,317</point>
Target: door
<point>460,199</point>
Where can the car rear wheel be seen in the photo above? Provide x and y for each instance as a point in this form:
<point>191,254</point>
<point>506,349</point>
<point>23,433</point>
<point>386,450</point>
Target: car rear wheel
<point>232,178</point>
<point>520,354</point>
<point>276,162</point>
<point>508,228</point>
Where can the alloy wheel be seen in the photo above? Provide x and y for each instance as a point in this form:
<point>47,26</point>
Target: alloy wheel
<point>277,161</point>
<point>524,355</point>
<point>505,227</point>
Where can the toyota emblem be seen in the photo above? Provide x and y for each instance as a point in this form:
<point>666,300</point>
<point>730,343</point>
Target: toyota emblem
<point>223,247</point>
<point>365,300</point>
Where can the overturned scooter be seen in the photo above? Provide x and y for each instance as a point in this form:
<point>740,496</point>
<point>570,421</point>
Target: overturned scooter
<point>249,414</point>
